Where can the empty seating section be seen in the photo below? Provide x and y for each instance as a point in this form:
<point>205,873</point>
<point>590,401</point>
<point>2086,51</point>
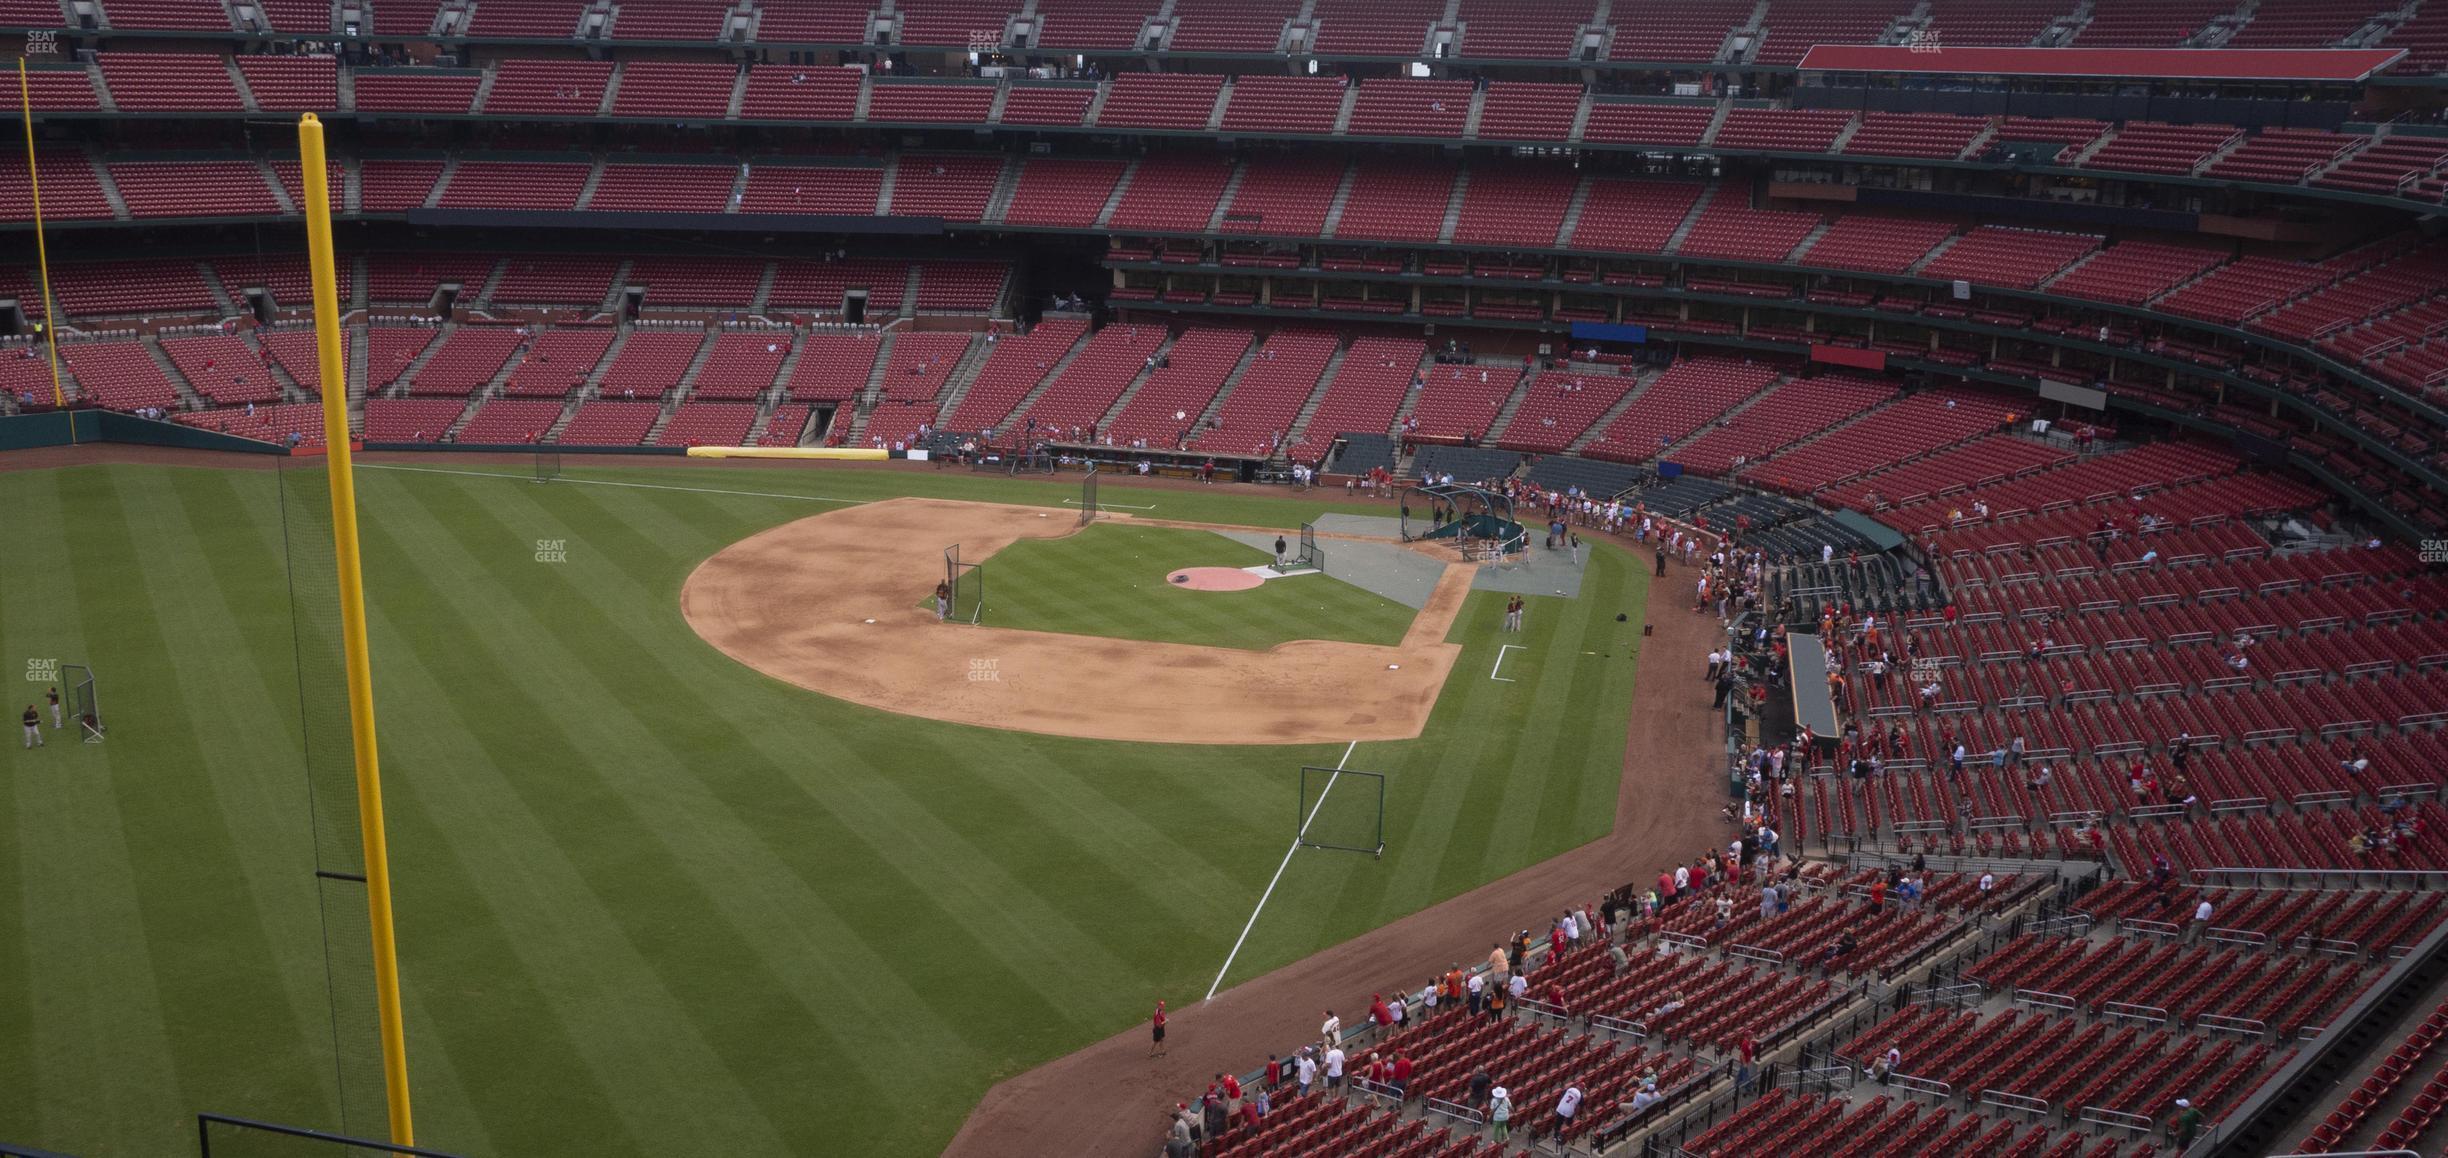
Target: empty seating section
<point>222,368</point>
<point>814,22</point>
<point>1172,194</point>
<point>957,23</point>
<point>1047,104</point>
<point>1782,130</point>
<point>1875,244</point>
<point>411,278</point>
<point>960,287</point>
<point>59,89</point>
<point>2073,134</point>
<point>292,83</point>
<point>2150,147</point>
<point>1283,196</point>
<point>71,188</point>
<point>168,82</point>
<point>688,20</point>
<point>391,353</point>
<point>1788,414</point>
<point>650,363</point>
<point>2243,288</point>
<point>410,18</point>
<point>1015,366</point>
<point>1988,459</point>
<point>708,424</point>
<point>2133,272</point>
<point>790,92</point>
<point>2282,156</point>
<point>1374,27</point>
<point>560,87</point>
<point>788,426</point>
<point>1195,369</point>
<point>606,423</point>
<point>1463,401</point>
<point>1689,395</point>
<point>1091,23</point>
<point>696,281</point>
<point>1258,412</point>
<point>410,419</point>
<point>694,90</point>
<point>1624,216</point>
<point>2004,256</point>
<point>925,102</point>
<point>1284,104</point>
<point>1528,111</point>
<point>743,365</point>
<point>193,188</point>
<point>952,186</point>
<point>515,185</point>
<point>2425,41</point>
<point>556,361</point>
<point>2302,23</point>
<point>556,281</point>
<point>625,188</point>
<point>1558,407</point>
<point>1230,25</point>
<point>464,360</point>
<point>1063,192</point>
<point>1397,202</point>
<point>831,189</point>
<point>1729,227</point>
<point>836,367</point>
<point>1514,206</point>
<point>2388,166</point>
<point>1793,26</point>
<point>525,19</point>
<point>824,286</point>
<point>2003,23</point>
<point>416,91</point>
<point>176,15</point>
<point>1404,107</point>
<point>294,352</point>
<point>128,287</point>
<point>1910,428</point>
<point>1365,395</point>
<point>1667,30</point>
<point>118,375</point>
<point>1621,123</point>
<point>2413,277</point>
<point>1940,135</point>
<point>1083,391</point>
<point>335,184</point>
<point>389,186</point>
<point>2153,25</point>
<point>1160,100</point>
<point>298,422</point>
<point>1503,30</point>
<point>509,421</point>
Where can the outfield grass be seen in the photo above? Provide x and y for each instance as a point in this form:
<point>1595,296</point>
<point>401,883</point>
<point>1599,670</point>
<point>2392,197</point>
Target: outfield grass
<point>651,902</point>
<point>1109,580</point>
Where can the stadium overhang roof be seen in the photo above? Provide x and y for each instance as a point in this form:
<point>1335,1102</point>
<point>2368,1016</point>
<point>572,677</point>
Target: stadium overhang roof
<point>2275,64</point>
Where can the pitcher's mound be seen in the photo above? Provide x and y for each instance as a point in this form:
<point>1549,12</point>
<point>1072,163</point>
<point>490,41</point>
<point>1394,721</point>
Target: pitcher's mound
<point>1215,579</point>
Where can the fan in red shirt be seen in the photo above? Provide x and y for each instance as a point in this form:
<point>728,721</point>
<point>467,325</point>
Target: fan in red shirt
<point>1699,875</point>
<point>1378,1012</point>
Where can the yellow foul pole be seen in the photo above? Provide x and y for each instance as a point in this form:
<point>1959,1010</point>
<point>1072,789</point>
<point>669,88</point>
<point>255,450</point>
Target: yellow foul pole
<point>326,283</point>
<point>42,254</point>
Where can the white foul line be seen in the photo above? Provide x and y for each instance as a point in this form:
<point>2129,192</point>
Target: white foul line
<point>599,482</point>
<point>1101,505</point>
<point>1500,656</point>
<point>1279,870</point>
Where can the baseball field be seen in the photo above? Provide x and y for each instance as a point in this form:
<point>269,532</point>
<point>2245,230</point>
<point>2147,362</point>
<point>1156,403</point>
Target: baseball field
<point>651,898</point>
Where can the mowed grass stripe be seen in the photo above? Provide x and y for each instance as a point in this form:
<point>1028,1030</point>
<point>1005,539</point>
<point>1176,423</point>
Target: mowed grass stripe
<point>1110,580</point>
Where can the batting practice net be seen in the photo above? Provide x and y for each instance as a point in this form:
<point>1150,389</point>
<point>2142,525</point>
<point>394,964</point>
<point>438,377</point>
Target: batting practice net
<point>1310,557</point>
<point>967,582</point>
<point>1342,809</point>
<point>1088,496</point>
<point>548,465</point>
<point>84,706</point>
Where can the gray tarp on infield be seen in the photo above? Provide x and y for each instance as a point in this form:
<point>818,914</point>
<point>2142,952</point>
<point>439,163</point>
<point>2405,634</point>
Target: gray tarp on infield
<point>1404,576</point>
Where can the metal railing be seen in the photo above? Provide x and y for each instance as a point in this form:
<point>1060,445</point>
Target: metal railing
<point>2322,878</point>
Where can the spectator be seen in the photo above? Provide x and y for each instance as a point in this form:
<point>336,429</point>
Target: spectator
<point>1500,1112</point>
<point>1330,1034</point>
<point>2188,1123</point>
<point>1566,1106</point>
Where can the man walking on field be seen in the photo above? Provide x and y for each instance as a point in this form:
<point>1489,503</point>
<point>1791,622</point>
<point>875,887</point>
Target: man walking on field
<point>55,708</point>
<point>943,601</point>
<point>33,726</point>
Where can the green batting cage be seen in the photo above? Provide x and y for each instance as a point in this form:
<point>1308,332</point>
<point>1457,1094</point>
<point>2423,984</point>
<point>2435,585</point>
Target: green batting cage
<point>84,705</point>
<point>548,465</point>
<point>1088,496</point>
<point>1309,557</point>
<point>1341,809</point>
<point>967,583</point>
